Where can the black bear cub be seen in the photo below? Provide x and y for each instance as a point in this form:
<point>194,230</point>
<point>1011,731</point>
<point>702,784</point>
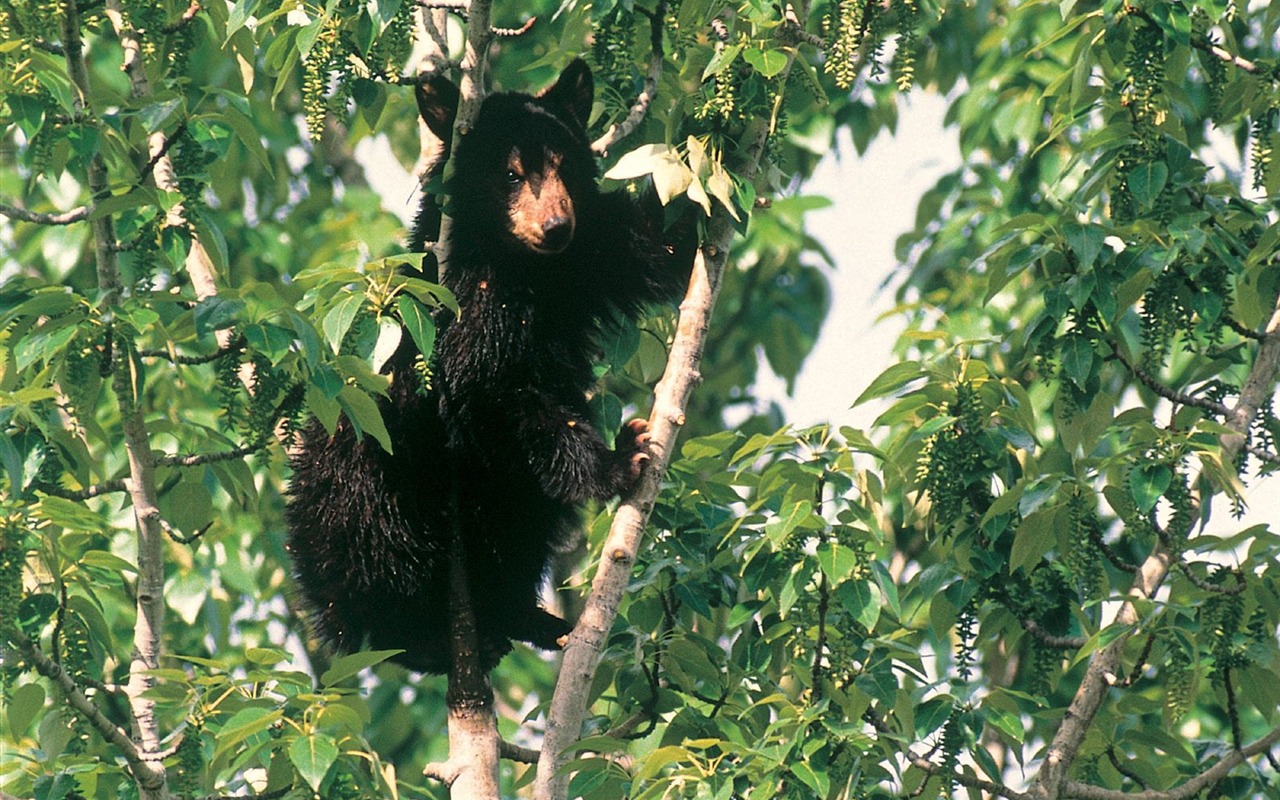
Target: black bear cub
<point>502,448</point>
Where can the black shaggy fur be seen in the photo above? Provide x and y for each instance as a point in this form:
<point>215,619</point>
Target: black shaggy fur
<point>503,447</point>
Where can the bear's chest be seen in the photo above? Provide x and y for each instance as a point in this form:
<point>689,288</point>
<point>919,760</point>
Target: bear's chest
<point>513,336</point>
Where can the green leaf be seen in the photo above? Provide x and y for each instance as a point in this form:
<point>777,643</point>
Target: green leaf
<point>216,313</point>
<point>1006,722</point>
<point>1147,482</point>
<point>862,600</point>
<point>363,412</point>
<point>188,506</point>
<point>820,784</point>
<point>836,560</point>
<point>312,755</point>
<point>346,666</point>
<point>243,724</point>
<point>767,62</point>
<point>338,320</point>
<point>891,380</point>
<point>1146,181</point>
<point>418,322</point>
<point>25,702</point>
<point>1077,359</point>
<point>1034,538</point>
<point>1086,242</point>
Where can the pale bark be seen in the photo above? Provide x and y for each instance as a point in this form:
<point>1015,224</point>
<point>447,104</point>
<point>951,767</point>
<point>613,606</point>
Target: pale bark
<point>141,482</point>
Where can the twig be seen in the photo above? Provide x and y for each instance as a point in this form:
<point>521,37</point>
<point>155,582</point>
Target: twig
<point>64,218</point>
<point>1192,787</point>
<point>1167,393</point>
<point>1141,662</point>
<point>514,752</point>
<point>231,347</point>
<point>922,762</point>
<point>1248,333</point>
<point>1262,455</point>
<point>163,150</point>
<point>640,107</point>
<point>1124,770</point>
<point>200,459</point>
<point>1204,43</point>
<point>508,33</point>
<point>187,16</point>
<point>1095,535</point>
<point>794,30</point>
<point>106,487</point>
<point>1233,713</point>
<point>1061,642</point>
<point>135,757</point>
<point>1202,584</point>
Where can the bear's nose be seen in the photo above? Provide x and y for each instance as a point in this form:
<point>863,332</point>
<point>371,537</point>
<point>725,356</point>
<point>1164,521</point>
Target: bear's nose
<point>556,234</point>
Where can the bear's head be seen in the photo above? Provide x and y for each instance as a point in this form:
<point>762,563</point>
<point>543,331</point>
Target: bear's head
<point>525,169</point>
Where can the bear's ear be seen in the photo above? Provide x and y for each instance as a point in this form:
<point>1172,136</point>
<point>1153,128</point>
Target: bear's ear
<point>574,90</point>
<point>438,105</point>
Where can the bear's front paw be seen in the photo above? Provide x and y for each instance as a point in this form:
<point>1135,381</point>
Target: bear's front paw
<point>631,452</point>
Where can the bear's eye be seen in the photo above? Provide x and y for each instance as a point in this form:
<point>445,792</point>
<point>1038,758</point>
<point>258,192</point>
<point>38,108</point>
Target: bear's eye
<point>513,177</point>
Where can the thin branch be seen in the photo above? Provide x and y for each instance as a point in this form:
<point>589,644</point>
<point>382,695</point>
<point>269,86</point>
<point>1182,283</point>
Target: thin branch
<point>64,218</point>
<point>1222,766</point>
<point>231,347</point>
<point>509,33</point>
<point>640,107</point>
<point>1248,333</point>
<point>181,22</point>
<point>1207,45</point>
<point>135,757</point>
<point>1061,642</point>
<point>163,150</point>
<point>1123,769</point>
<point>200,459</point>
<point>514,752</point>
<point>671,397</point>
<point>1180,398</point>
<point>794,30</point>
<point>923,763</point>
<point>1262,455</point>
<point>1140,664</point>
<point>96,490</point>
<point>1203,585</point>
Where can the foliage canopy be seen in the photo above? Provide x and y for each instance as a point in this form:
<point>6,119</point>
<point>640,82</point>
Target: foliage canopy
<point>1024,581</point>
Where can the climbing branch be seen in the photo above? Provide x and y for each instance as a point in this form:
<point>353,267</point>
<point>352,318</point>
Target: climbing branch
<point>671,396</point>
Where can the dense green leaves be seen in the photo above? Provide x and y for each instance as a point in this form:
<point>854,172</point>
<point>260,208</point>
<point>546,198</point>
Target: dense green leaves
<point>1083,297</point>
